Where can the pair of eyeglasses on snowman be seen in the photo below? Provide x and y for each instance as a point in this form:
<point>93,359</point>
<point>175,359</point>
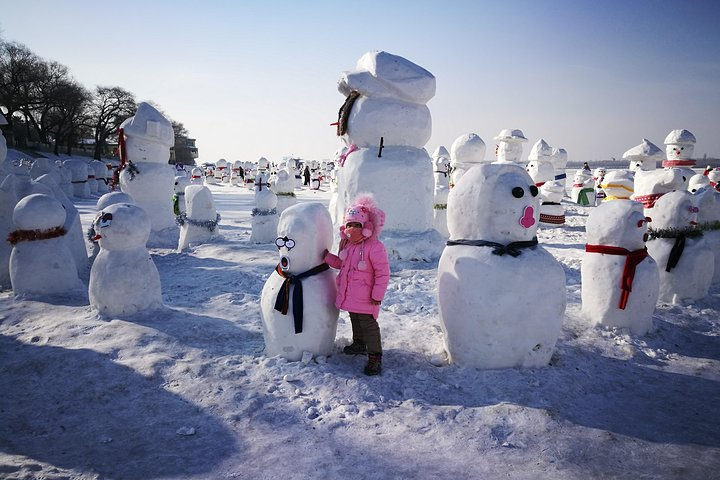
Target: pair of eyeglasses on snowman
<point>104,220</point>
<point>284,242</point>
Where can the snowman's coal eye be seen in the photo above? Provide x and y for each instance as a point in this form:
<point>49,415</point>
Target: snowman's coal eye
<point>518,192</point>
<point>533,190</point>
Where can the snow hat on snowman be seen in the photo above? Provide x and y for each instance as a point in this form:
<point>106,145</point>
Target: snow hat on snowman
<point>363,210</point>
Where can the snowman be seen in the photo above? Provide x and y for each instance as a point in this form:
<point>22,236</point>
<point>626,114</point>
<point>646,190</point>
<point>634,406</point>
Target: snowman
<point>599,176</point>
<point>679,149</point>
<point>466,151</point>
<point>644,156</point>
<point>249,180</point>
<point>79,174</point>
<point>650,185</point>
<point>41,166</point>
<point>583,188</point>
<point>284,188</point>
<point>617,185</point>
<point>559,160</point>
<point>221,173</point>
<point>100,170</point>
<point>492,217</point>
<point>41,262</point>
<point>386,123</point>
<point>199,222</point>
<point>123,278</point>
<point>441,163</point>
<point>620,282</point>
<point>298,299</point>
<point>178,197</point>
<point>685,261</point>
<point>210,178</point>
<point>709,220</point>
<point>264,219</point>
<point>145,141</point>
<point>8,200</point>
<point>196,176</point>
<point>315,180</point>
<point>509,148</point>
<point>541,169</point>
<point>65,182</point>
<point>236,176</point>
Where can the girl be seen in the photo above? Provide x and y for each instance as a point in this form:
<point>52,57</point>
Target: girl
<point>363,277</point>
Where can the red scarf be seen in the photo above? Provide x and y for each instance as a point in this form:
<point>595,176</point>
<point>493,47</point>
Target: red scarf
<point>18,236</point>
<point>678,163</point>
<point>632,259</point>
<point>648,200</point>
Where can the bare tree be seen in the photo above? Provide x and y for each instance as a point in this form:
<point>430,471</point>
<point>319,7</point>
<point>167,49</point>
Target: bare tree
<point>20,72</point>
<point>110,106</point>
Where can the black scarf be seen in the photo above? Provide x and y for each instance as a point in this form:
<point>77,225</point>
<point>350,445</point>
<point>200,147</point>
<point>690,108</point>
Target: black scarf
<point>283,298</point>
<point>513,249</point>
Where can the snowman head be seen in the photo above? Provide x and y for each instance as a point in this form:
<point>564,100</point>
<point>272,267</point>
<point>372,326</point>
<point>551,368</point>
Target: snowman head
<point>581,176</point>
<point>618,183</point>
<point>468,148</point>
<point>697,182</point>
<point>540,171</point>
<point>199,203</point>
<point>675,209</point>
<point>113,198</point>
<point>148,135</point>
<point>181,182</point>
<point>644,156</point>
<point>494,202</point>
<point>304,233</point>
<point>509,147</point>
<point>122,226</point>
<point>620,223</point>
<point>679,145</point>
<point>38,212</point>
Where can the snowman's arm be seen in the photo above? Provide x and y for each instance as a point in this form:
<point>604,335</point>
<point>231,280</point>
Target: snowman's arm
<point>333,260</point>
<point>381,265</point>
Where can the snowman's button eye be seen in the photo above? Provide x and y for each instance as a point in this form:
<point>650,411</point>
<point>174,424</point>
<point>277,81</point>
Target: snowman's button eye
<point>518,192</point>
<point>533,190</point>
<point>105,220</point>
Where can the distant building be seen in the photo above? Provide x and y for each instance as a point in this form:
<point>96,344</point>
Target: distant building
<point>184,151</point>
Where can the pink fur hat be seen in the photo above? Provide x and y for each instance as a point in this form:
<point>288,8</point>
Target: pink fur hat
<point>365,211</point>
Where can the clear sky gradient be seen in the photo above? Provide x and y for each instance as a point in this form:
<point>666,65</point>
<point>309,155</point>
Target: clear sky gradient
<point>258,78</point>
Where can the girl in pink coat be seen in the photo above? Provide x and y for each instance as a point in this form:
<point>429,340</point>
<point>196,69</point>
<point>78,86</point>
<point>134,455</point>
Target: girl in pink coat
<point>363,277</point>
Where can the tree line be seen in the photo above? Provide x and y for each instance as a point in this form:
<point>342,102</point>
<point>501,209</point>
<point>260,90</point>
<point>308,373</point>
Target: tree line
<point>44,104</point>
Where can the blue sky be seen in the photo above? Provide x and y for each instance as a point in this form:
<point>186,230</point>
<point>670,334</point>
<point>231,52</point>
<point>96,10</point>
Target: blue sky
<point>251,79</point>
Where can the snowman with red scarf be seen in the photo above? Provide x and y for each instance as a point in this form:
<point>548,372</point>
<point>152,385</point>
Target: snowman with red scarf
<point>620,281</point>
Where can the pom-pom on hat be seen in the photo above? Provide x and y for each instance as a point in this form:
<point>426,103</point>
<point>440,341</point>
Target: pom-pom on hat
<point>365,211</point>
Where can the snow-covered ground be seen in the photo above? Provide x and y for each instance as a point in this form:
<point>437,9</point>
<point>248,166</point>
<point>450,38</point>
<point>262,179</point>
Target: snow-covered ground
<point>187,392</point>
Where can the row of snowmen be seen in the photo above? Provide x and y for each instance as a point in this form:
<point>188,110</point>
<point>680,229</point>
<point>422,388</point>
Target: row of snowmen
<point>46,252</point>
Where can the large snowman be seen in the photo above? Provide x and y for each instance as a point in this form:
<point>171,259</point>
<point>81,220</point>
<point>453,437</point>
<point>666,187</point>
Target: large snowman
<point>644,156</point>
<point>685,261</point>
<point>146,176</point>
<point>386,123</point>
<point>501,296</point>
<point>620,281</point>
<point>123,278</point>
<point>298,300</point>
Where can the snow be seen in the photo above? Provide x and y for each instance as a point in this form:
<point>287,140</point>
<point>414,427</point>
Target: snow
<point>87,398</point>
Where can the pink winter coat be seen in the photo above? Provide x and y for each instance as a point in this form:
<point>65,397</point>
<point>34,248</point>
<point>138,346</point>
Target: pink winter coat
<point>356,287</point>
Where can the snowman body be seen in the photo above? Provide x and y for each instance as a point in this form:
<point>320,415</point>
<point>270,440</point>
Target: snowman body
<point>613,227</point>
<point>709,218</point>
<point>308,230</point>
<point>498,203</point>
<point>618,185</point>
<point>79,177</point>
